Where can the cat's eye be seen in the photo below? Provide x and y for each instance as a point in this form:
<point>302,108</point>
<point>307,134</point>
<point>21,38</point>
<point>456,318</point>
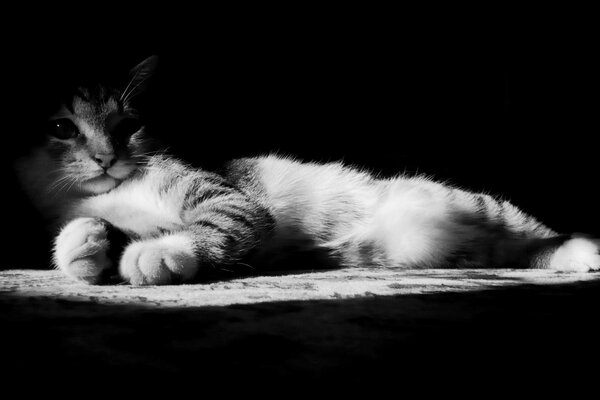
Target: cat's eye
<point>126,127</point>
<point>62,128</point>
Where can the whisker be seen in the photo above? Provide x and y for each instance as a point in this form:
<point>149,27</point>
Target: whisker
<point>246,265</point>
<point>132,93</point>
<point>125,91</point>
<point>74,182</point>
<point>59,180</point>
<point>60,185</point>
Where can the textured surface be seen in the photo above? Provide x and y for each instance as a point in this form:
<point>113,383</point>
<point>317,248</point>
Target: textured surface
<point>337,284</point>
<point>344,326</point>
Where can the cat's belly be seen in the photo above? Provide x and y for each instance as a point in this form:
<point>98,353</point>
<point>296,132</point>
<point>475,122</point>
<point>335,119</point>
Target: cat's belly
<point>136,208</point>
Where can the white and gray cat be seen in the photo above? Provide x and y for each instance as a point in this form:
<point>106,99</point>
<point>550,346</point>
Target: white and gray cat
<point>123,206</point>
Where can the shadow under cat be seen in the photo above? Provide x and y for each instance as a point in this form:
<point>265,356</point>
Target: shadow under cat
<point>525,334</point>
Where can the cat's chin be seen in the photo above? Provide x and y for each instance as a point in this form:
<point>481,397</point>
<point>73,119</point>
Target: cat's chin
<point>100,184</point>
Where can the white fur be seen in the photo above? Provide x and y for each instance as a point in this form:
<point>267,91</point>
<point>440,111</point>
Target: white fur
<point>134,206</point>
<point>409,220</point>
<point>81,249</point>
<point>153,262</point>
<point>578,255</point>
<point>300,195</point>
<point>400,222</point>
<point>413,223</point>
<point>138,207</point>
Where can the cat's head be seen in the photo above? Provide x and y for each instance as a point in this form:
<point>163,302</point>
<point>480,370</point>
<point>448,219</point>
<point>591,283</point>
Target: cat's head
<point>97,138</point>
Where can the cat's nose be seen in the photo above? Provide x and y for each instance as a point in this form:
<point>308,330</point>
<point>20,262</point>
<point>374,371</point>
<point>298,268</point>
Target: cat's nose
<point>105,160</point>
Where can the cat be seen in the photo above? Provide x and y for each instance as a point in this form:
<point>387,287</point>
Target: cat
<point>124,208</point>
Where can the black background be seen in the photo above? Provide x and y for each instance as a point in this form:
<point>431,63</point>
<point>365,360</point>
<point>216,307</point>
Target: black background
<point>506,105</point>
<point>502,100</point>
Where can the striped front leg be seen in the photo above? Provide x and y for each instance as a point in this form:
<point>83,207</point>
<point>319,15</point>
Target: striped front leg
<point>220,224</point>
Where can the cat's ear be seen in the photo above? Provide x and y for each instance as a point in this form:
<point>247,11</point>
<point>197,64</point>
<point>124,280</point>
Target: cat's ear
<point>140,76</point>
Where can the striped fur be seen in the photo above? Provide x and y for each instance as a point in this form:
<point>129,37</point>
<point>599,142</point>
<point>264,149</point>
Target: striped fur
<point>156,220</point>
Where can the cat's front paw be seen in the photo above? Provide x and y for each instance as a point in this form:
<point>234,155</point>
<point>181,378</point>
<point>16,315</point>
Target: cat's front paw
<point>81,250</point>
<point>578,254</point>
<point>168,259</point>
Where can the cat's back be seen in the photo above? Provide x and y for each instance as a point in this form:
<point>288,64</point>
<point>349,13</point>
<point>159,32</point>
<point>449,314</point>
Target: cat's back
<point>309,202</point>
<point>286,184</point>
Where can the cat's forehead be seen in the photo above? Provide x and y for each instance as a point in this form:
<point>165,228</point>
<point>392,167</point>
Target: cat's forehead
<point>96,102</point>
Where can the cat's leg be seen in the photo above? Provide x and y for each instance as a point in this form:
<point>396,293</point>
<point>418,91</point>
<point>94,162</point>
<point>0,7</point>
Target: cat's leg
<point>167,259</point>
<point>568,253</point>
<point>519,240</point>
<point>424,224</point>
<point>220,226</point>
<point>86,248</point>
<point>576,254</point>
<point>179,256</point>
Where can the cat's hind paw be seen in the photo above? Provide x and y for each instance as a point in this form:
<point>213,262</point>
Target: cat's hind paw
<point>81,250</point>
<point>168,259</point>
<point>578,254</point>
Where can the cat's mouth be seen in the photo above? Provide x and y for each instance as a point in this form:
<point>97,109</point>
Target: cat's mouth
<point>107,180</point>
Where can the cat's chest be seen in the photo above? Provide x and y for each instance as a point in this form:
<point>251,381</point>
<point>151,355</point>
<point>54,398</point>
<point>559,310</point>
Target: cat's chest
<point>138,207</point>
